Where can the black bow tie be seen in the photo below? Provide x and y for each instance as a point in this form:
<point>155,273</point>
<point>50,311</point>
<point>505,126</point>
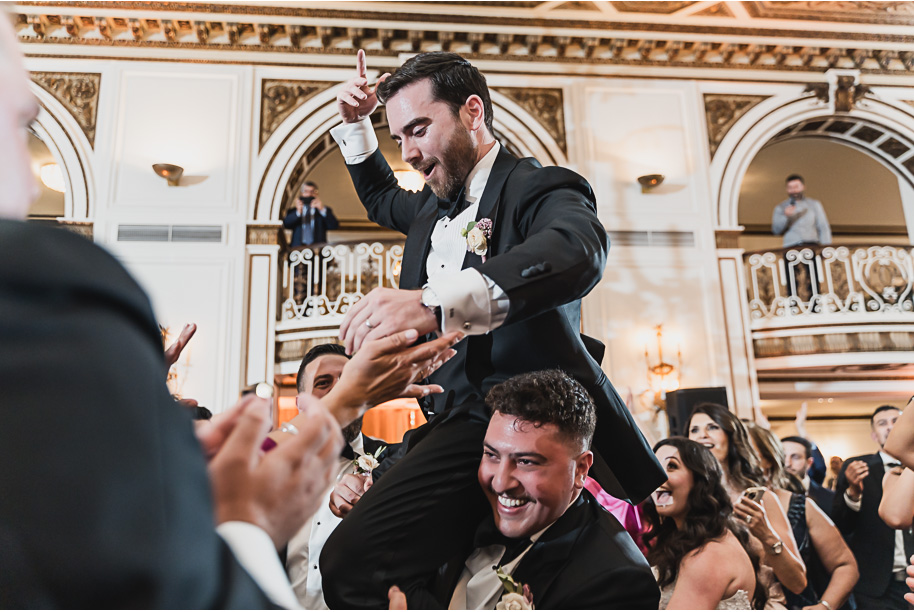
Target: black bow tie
<point>489,535</point>
<point>452,208</point>
<point>347,452</point>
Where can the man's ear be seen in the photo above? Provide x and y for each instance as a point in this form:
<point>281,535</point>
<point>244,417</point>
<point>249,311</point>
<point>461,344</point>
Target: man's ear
<point>299,401</point>
<point>474,113</point>
<point>581,467</point>
<point>809,463</point>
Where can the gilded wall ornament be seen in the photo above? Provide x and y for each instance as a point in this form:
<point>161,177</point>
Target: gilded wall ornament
<point>546,105</point>
<point>724,110</point>
<point>82,228</point>
<point>263,234</point>
<point>279,98</point>
<point>78,93</point>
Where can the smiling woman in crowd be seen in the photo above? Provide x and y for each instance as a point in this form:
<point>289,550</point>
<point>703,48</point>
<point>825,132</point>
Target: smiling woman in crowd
<point>720,431</point>
<point>701,554</point>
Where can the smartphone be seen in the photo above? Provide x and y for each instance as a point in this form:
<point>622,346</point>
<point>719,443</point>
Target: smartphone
<point>754,493</point>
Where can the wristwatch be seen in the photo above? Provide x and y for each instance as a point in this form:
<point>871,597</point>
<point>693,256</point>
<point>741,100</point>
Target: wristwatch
<point>777,548</point>
<point>430,300</point>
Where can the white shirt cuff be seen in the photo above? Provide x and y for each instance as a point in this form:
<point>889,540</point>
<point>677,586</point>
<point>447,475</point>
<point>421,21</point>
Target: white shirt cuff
<point>357,141</point>
<point>471,302</point>
<point>853,505</point>
<point>254,550</point>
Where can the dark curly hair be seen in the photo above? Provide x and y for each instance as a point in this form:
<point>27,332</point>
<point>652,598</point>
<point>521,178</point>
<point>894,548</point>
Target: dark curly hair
<point>548,396</point>
<point>743,464</point>
<point>709,516</point>
<point>453,80</point>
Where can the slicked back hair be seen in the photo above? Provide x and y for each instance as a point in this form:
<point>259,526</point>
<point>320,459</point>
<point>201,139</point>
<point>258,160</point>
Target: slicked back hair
<point>316,351</point>
<point>453,80</point>
<point>548,397</point>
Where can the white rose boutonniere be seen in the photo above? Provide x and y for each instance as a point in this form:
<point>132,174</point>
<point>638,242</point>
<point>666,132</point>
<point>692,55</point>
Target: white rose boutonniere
<point>517,596</point>
<point>478,234</point>
<point>365,464</point>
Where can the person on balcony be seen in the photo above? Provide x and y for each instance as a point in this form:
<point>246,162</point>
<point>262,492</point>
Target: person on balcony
<point>801,220</point>
<point>310,219</point>
<point>499,248</point>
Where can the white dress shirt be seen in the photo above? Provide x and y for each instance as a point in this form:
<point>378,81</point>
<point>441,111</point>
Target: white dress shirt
<point>305,547</point>
<point>256,553</point>
<point>479,587</point>
<point>470,301</point>
<point>899,563</point>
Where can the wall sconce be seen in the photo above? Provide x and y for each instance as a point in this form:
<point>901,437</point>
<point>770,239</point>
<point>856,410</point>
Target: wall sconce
<point>409,180</point>
<point>649,181</point>
<point>52,177</point>
<point>169,172</point>
<point>662,377</point>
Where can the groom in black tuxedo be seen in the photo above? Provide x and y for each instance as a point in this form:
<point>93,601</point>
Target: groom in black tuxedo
<point>499,248</point>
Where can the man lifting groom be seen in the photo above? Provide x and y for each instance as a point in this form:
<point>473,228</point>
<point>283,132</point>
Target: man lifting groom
<point>499,248</point>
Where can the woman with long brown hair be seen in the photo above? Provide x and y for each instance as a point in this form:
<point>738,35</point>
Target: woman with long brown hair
<point>832,569</point>
<point>702,556</point>
<point>721,432</point>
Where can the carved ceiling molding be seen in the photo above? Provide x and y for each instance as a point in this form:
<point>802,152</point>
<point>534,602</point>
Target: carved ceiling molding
<point>894,13</point>
<point>404,28</point>
<point>279,98</point>
<point>724,110</point>
<point>716,10</point>
<point>547,105</point>
<point>77,92</point>
<point>663,8</point>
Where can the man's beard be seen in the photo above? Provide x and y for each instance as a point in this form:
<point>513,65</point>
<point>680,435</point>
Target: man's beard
<point>457,160</point>
<point>352,430</point>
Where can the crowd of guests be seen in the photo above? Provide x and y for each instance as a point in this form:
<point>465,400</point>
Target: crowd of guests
<point>112,499</point>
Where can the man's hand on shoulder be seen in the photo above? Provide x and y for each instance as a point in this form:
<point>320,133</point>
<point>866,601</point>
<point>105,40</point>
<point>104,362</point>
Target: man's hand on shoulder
<point>356,100</point>
<point>384,312</point>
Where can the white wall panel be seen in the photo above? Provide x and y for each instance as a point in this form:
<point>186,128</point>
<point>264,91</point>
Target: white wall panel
<point>194,290</point>
<point>182,117</point>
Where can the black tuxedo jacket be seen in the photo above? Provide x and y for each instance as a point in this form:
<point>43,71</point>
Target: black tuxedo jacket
<point>322,224</point>
<point>870,539</point>
<point>823,497</point>
<point>105,500</point>
<point>584,561</point>
<point>547,251</point>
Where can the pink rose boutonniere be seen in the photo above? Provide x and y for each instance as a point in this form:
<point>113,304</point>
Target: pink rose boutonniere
<point>478,234</point>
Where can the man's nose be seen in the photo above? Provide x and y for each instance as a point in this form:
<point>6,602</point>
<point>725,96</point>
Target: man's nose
<point>503,479</point>
<point>410,153</point>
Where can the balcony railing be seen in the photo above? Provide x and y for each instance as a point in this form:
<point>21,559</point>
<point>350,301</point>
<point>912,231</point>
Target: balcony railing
<point>830,284</point>
<point>321,283</point>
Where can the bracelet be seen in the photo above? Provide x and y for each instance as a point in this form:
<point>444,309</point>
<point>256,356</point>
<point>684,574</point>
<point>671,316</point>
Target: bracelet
<point>825,603</point>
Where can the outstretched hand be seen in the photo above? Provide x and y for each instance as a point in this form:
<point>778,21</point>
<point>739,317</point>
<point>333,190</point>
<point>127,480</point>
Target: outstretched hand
<point>383,312</point>
<point>356,100</point>
<point>173,352</point>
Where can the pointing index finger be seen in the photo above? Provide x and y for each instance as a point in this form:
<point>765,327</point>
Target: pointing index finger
<point>360,66</point>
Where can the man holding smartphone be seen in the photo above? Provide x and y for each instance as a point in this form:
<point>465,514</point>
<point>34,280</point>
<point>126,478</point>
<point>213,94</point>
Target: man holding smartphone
<point>309,220</point>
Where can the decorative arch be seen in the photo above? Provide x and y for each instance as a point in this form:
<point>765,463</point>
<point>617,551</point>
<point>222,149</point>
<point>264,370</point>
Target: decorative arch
<point>303,139</point>
<point>783,116</point>
<point>68,143</point>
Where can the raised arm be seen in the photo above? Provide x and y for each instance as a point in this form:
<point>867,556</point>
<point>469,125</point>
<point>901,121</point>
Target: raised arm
<point>900,443</point>
<point>897,505</point>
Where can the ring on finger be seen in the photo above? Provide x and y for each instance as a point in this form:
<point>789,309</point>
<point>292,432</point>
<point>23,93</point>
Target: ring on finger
<point>369,325</point>
<point>748,519</point>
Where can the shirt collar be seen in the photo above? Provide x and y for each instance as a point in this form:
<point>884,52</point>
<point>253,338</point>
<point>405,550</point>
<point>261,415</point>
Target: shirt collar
<point>887,458</point>
<point>805,482</point>
<point>358,445</point>
<point>479,175</point>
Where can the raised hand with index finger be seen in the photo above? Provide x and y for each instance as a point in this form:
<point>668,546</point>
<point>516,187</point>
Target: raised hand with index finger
<point>356,100</point>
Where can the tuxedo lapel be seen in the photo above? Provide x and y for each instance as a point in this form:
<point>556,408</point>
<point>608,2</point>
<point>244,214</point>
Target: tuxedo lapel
<point>418,242</point>
<point>488,203</point>
<point>545,560</point>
